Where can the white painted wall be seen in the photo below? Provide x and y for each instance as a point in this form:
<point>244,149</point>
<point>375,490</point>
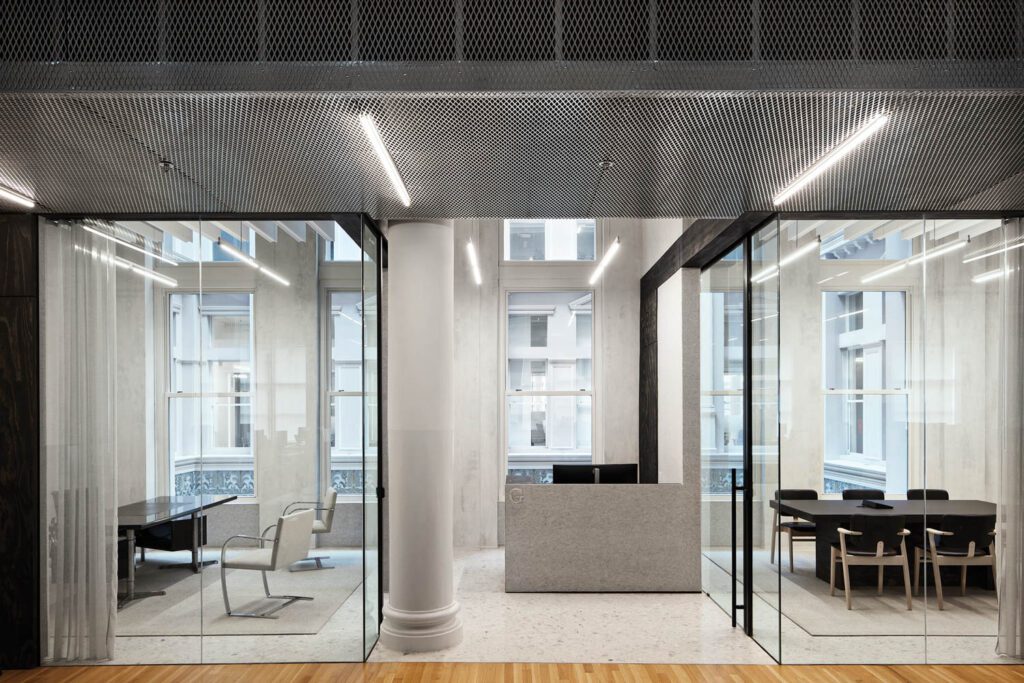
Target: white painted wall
<point>670,380</point>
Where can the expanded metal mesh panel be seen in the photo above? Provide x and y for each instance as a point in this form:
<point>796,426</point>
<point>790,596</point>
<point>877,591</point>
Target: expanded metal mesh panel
<point>705,30</point>
<point>498,30</point>
<point>510,45</point>
<point>806,30</point>
<point>322,34</point>
<point>903,30</point>
<point>110,31</point>
<point>401,31</point>
<point>606,31</point>
<point>222,31</point>
<point>508,156</point>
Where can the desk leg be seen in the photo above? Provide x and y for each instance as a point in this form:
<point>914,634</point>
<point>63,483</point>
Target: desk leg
<point>131,564</point>
<point>194,564</point>
<point>131,594</point>
<point>195,542</point>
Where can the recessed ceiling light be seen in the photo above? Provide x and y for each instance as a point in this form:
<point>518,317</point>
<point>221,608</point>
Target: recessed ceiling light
<point>834,155</point>
<point>373,135</point>
<point>17,198</point>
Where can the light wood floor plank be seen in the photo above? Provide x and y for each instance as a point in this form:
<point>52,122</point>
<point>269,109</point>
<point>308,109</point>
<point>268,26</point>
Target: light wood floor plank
<point>448,672</point>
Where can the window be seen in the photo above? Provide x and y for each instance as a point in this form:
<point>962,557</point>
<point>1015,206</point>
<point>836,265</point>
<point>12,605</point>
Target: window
<point>345,391</point>
<point>550,240</point>
<point>864,355</point>
<point>204,247</point>
<point>722,320</point>
<point>342,247</point>
<point>549,391</point>
<point>210,394</point>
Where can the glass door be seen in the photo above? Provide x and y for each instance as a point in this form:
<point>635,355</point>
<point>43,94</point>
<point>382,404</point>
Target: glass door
<point>764,543</point>
<point>372,487</point>
<point>722,320</point>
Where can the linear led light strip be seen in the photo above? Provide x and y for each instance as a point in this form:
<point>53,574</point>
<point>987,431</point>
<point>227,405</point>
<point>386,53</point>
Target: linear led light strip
<point>249,261</point>
<point>128,245</point>
<point>834,155</point>
<point>128,265</point>
<point>370,128</point>
<point>978,255</point>
<point>941,251</point>
<point>605,260</point>
<point>17,198</point>
<point>773,270</point>
<point>474,264</point>
<point>991,275</point>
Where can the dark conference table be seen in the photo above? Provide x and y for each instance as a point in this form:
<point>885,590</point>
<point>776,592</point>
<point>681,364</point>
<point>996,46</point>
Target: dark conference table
<point>829,515</point>
<point>134,517</point>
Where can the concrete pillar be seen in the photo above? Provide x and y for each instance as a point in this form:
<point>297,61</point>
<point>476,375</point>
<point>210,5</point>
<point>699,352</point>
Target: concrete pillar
<point>421,613</point>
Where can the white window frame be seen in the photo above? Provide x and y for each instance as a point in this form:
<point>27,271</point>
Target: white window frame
<point>598,249</point>
<point>596,453</point>
<point>908,358</point>
<point>336,276</point>
<point>204,459</point>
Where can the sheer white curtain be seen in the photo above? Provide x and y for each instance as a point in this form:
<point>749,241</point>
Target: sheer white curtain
<point>1010,543</point>
<point>78,310</point>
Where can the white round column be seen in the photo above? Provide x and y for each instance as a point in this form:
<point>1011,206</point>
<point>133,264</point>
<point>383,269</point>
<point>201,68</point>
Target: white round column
<point>421,613</point>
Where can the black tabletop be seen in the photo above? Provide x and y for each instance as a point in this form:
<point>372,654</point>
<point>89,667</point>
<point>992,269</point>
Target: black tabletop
<point>913,510</point>
<point>147,513</point>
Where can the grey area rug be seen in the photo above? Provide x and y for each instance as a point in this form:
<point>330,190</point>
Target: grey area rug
<point>193,604</point>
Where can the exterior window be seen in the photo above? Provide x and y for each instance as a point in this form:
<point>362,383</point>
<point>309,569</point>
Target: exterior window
<point>860,240</point>
<point>345,391</point>
<point>210,394</point>
<point>550,240</point>
<point>538,331</point>
<point>549,391</point>
<point>202,248</point>
<point>342,247</point>
<point>721,316</point>
<point>864,354</point>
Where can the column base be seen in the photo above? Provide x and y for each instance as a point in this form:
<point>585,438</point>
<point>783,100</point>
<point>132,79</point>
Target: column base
<point>406,631</point>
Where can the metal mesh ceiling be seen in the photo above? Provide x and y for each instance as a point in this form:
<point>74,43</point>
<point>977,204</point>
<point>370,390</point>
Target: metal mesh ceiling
<point>675,154</point>
<point>286,45</point>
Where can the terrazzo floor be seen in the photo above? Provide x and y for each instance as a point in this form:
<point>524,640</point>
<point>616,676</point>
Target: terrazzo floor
<point>582,627</point>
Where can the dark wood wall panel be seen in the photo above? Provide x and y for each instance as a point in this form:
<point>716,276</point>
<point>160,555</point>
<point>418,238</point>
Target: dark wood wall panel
<point>19,441</point>
<point>700,244</point>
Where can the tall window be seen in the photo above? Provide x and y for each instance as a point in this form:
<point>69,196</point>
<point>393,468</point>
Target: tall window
<point>865,372</point>
<point>721,410</point>
<point>210,394</point>
<point>568,239</point>
<point>345,391</point>
<point>549,390</point>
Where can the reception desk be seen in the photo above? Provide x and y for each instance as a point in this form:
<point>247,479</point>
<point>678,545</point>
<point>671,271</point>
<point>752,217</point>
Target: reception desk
<point>600,538</point>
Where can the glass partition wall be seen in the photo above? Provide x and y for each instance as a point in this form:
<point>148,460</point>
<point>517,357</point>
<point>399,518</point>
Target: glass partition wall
<point>211,443</point>
<point>878,359</point>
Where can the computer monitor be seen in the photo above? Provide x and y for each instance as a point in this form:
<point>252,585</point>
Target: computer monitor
<point>594,474</point>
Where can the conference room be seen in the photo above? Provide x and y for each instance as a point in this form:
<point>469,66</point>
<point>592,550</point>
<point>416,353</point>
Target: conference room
<point>225,433</point>
<point>860,378</point>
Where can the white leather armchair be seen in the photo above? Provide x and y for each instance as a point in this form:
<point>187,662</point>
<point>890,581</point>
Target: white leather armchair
<point>289,544</point>
<point>320,526</point>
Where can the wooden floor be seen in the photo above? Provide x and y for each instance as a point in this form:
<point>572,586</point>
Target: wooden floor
<point>518,673</point>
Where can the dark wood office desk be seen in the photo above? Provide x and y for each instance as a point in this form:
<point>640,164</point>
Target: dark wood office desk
<point>144,514</point>
<point>829,515</point>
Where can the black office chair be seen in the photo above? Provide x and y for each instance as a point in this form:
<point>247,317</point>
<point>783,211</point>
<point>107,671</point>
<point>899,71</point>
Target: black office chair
<point>960,541</point>
<point>927,494</point>
<point>797,530</point>
<point>872,540</point>
<point>863,494</point>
